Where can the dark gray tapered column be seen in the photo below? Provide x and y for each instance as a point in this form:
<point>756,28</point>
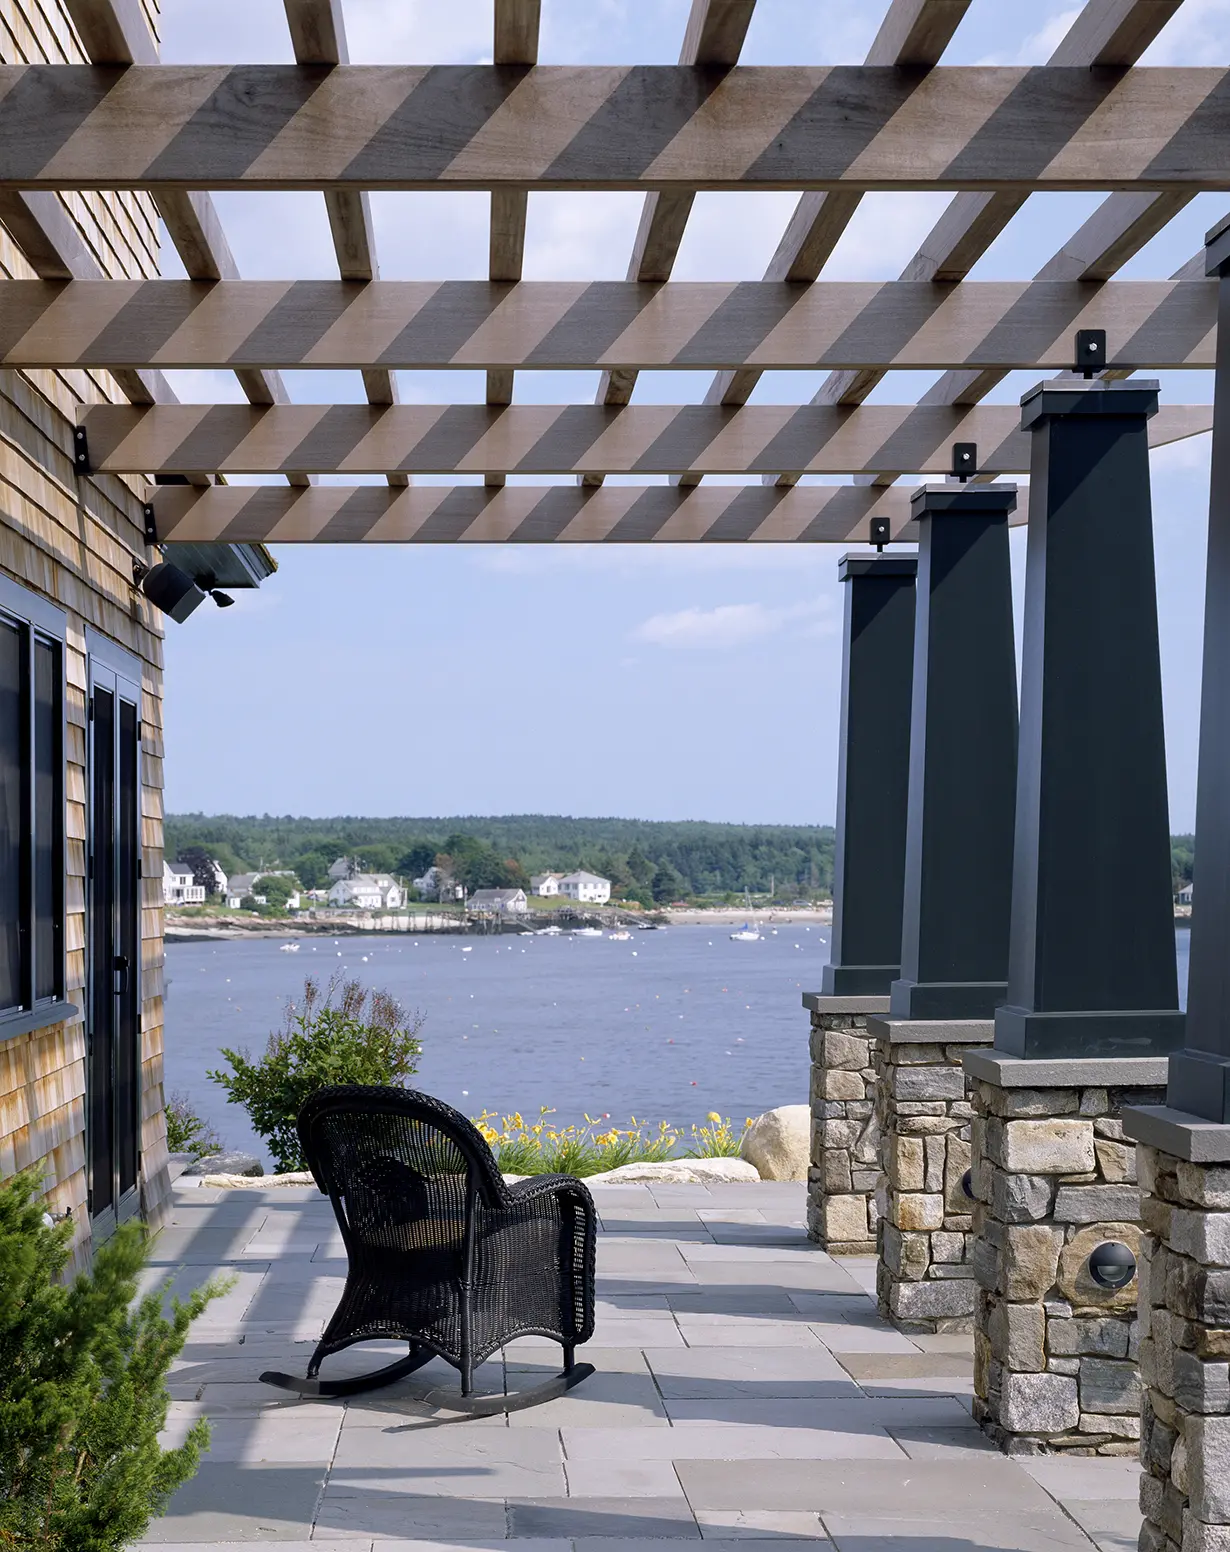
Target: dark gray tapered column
<point>1092,959</point>
<point>1200,1074</point>
<point>872,775</point>
<point>963,730</point>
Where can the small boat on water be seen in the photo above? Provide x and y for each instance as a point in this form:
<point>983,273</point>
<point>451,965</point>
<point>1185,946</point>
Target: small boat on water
<point>619,937</point>
<point>587,932</point>
<point>548,932</point>
<point>289,948</point>
<point>746,934</point>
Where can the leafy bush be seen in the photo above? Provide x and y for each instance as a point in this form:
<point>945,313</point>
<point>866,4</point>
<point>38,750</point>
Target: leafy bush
<point>545,1149</point>
<point>188,1132</point>
<point>349,1036</point>
<point>82,1387</point>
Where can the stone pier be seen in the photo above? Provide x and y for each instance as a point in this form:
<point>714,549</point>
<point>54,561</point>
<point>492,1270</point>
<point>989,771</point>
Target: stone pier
<point>923,1278</point>
<point>845,1138</point>
<point>1054,1178</point>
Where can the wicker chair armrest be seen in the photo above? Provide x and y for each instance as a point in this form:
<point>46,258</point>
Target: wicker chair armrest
<point>547,1186</point>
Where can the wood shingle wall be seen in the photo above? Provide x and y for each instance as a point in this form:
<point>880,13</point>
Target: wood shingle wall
<point>74,541</point>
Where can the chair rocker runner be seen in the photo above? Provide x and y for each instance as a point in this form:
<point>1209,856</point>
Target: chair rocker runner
<point>442,1253</point>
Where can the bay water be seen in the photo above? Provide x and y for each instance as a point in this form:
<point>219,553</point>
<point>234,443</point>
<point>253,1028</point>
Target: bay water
<point>667,1025</point>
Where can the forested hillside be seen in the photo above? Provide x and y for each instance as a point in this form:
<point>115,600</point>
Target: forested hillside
<point>644,858</point>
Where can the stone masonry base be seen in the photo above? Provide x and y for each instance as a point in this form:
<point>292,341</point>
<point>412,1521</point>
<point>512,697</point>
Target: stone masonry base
<point>1054,1178</point>
<point>845,1139</point>
<point>1185,1352</point>
<point>923,1278</point>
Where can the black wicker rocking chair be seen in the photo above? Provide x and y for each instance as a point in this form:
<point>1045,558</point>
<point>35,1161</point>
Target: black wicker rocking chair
<point>442,1253</point>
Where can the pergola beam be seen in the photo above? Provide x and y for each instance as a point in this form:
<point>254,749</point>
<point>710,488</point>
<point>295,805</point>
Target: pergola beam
<point>526,514</point>
<point>548,325</point>
<point>566,439</point>
<point>666,128</point>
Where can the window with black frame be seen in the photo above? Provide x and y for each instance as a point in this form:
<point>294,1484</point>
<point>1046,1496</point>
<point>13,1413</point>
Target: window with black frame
<point>31,807</point>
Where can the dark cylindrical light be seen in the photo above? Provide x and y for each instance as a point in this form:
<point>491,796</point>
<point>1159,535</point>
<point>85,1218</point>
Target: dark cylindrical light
<point>1112,1265</point>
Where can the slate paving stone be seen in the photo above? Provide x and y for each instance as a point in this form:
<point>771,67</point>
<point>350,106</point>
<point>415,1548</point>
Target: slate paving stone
<point>841,1336</point>
<point>703,1371</point>
<point>232,1502</point>
<point>1113,1523</point>
<point>608,1478</point>
<point>628,1400</point>
<point>1084,1477</point>
<point>410,1517</point>
<point>718,1526</point>
<point>903,1366</point>
<point>598,1518</point>
<point>928,1487</point>
<point>698,1441</point>
<point>259,1440</point>
<point>991,1532</point>
<point>710,1330</point>
<point>922,1443</point>
<point>844,1414</point>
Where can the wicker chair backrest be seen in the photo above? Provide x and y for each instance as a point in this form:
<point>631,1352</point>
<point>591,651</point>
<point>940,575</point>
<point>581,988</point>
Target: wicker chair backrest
<point>396,1163</point>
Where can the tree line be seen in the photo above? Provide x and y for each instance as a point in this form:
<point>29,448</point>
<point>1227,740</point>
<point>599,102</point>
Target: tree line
<point>652,862</point>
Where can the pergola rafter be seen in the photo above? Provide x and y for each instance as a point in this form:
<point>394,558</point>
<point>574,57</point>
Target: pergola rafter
<point>1090,119</point>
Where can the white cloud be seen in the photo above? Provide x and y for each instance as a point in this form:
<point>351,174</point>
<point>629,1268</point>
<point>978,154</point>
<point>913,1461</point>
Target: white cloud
<point>729,625</point>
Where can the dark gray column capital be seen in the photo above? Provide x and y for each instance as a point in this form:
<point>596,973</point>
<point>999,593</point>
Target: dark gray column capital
<point>1217,248</point>
<point>872,773</point>
<point>1070,398</point>
<point>963,732</point>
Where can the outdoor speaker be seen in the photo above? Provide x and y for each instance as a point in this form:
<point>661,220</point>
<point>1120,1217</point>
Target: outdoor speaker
<point>172,590</point>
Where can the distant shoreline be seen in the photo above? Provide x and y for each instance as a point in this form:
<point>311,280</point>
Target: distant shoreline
<point>207,929</point>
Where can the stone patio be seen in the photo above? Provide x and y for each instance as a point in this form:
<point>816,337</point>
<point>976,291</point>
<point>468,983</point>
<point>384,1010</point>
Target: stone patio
<point>746,1390</point>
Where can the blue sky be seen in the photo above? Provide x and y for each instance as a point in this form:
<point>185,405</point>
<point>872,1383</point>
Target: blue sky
<point>656,682</point>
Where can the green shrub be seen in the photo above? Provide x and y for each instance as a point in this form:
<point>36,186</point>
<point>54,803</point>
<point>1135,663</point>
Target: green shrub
<point>188,1132</point>
<point>349,1036</point>
<point>82,1387</point>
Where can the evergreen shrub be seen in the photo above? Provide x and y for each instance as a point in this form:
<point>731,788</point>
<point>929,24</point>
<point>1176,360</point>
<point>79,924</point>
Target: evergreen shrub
<point>83,1366</point>
<point>347,1036</point>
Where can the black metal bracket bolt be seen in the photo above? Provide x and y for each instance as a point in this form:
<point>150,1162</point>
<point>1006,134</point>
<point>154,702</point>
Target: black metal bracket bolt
<point>81,451</point>
<point>964,460</point>
<point>880,534</point>
<point>1090,351</point>
<point>151,527</point>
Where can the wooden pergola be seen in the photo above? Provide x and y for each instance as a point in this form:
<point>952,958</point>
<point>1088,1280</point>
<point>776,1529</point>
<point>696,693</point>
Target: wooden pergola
<point>1090,119</point>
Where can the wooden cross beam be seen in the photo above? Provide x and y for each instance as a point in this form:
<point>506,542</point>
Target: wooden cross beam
<point>567,439</point>
<point>980,325</point>
<point>528,514</point>
<point>659,127</point>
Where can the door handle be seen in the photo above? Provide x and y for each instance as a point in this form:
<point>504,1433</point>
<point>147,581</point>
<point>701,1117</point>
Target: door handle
<point>120,966</point>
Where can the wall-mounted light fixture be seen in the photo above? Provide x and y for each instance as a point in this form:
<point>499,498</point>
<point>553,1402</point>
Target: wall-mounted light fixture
<point>1112,1265</point>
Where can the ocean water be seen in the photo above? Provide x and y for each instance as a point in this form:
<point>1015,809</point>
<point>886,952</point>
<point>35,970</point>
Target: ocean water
<point>667,1026</point>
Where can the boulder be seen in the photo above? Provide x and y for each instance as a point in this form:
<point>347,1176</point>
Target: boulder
<point>778,1143</point>
<point>232,1182</point>
<point>689,1172</point>
<point>226,1164</point>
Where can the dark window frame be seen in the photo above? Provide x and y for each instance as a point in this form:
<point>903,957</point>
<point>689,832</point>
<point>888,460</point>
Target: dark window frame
<point>40,623</point>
